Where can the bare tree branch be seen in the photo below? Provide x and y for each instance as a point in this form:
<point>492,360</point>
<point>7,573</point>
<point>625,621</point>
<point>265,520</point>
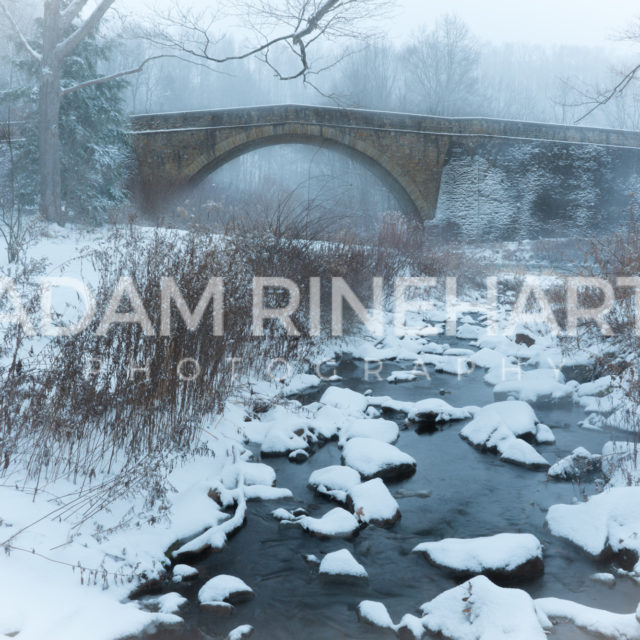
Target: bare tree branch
<point>617,90</point>
<point>130,72</point>
<point>67,46</point>
<point>69,14</point>
<point>23,40</point>
<point>306,21</point>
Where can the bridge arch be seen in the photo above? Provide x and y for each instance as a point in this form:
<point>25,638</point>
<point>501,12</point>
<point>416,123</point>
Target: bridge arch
<point>245,141</point>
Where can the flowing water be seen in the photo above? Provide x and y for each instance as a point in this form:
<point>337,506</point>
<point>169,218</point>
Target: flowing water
<point>468,494</point>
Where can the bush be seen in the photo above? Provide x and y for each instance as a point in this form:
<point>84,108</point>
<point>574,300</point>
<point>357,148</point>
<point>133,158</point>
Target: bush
<point>58,421</point>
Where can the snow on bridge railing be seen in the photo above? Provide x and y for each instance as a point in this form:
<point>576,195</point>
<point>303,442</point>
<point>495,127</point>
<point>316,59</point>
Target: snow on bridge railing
<point>335,116</point>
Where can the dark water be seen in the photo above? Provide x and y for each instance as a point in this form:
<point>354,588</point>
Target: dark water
<point>472,494</point>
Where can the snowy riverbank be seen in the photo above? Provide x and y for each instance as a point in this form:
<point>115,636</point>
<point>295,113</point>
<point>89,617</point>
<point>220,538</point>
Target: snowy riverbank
<point>68,571</point>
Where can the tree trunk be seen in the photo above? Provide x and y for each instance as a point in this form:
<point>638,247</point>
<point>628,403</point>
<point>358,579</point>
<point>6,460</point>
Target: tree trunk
<point>50,99</point>
<point>49,147</point>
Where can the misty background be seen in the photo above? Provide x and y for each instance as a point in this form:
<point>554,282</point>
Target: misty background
<point>459,59</point>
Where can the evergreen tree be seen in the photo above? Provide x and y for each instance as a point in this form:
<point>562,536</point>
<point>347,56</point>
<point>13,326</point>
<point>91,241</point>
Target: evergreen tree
<point>94,153</point>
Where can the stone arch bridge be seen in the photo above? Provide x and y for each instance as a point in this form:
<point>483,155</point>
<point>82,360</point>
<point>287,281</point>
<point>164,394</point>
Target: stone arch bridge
<point>407,152</point>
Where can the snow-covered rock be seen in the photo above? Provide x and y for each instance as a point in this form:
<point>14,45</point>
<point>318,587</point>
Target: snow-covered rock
<point>458,352</point>
<point>608,524</point>
<point>350,402</point>
<point>376,429</point>
<point>599,387</point>
<point>468,331</point>
<point>435,410</point>
<point>183,572</point>
<point>430,410</point>
<point>604,578</point>
<point>170,602</point>
<point>240,633</point>
<point>260,492</point>
<point>299,456</point>
<point>282,440</point>
<point>537,385</point>
<point>454,365</point>
<point>224,588</point>
<point>376,614</point>
<point>410,627</point>
<point>341,564</point>
<point>401,376</point>
<point>283,515</point>
<point>505,555</point>
<point>250,472</point>
<point>218,608</point>
<point>334,481</point>
<point>574,466</point>
<point>517,416</point>
<point>372,503</point>
<point>499,427</point>
<point>491,359</point>
<point>603,624</point>
<point>433,347</point>
<point>300,383</point>
<point>544,435</point>
<point>337,523</point>
<point>521,453</point>
<point>375,459</point>
<point>480,610</point>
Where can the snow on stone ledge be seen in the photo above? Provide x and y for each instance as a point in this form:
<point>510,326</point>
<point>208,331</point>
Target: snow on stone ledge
<point>607,524</point>
<point>341,564</point>
<point>517,555</point>
<point>224,588</point>
<point>373,503</point>
<point>605,624</point>
<point>372,459</point>
<point>480,610</point>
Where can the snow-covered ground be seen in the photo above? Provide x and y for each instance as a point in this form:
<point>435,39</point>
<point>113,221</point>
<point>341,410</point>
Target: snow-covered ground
<point>67,577</point>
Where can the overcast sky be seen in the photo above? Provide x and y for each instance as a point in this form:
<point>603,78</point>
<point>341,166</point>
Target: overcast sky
<point>582,22</point>
<point>550,22</point>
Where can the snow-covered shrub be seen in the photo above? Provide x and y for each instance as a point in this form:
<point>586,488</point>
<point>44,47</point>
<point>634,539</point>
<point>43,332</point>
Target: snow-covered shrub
<point>119,401</point>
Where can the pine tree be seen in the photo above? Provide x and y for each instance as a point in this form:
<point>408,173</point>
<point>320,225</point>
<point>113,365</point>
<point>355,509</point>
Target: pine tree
<point>94,153</point>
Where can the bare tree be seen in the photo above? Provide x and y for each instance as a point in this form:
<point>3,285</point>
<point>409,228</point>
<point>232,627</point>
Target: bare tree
<point>370,78</point>
<point>294,24</point>
<point>443,67</point>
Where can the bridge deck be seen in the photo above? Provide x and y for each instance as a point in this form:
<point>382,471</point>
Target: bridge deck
<point>364,119</point>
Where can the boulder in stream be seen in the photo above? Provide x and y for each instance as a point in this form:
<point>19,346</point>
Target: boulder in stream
<point>372,503</point>
<point>513,556</point>
<point>341,565</point>
<point>224,588</point>
<point>374,459</point>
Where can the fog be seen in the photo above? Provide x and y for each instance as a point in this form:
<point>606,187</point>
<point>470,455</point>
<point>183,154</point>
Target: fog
<point>543,61</point>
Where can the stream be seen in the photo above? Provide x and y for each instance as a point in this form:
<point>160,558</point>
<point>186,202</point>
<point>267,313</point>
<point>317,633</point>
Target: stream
<point>456,492</point>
